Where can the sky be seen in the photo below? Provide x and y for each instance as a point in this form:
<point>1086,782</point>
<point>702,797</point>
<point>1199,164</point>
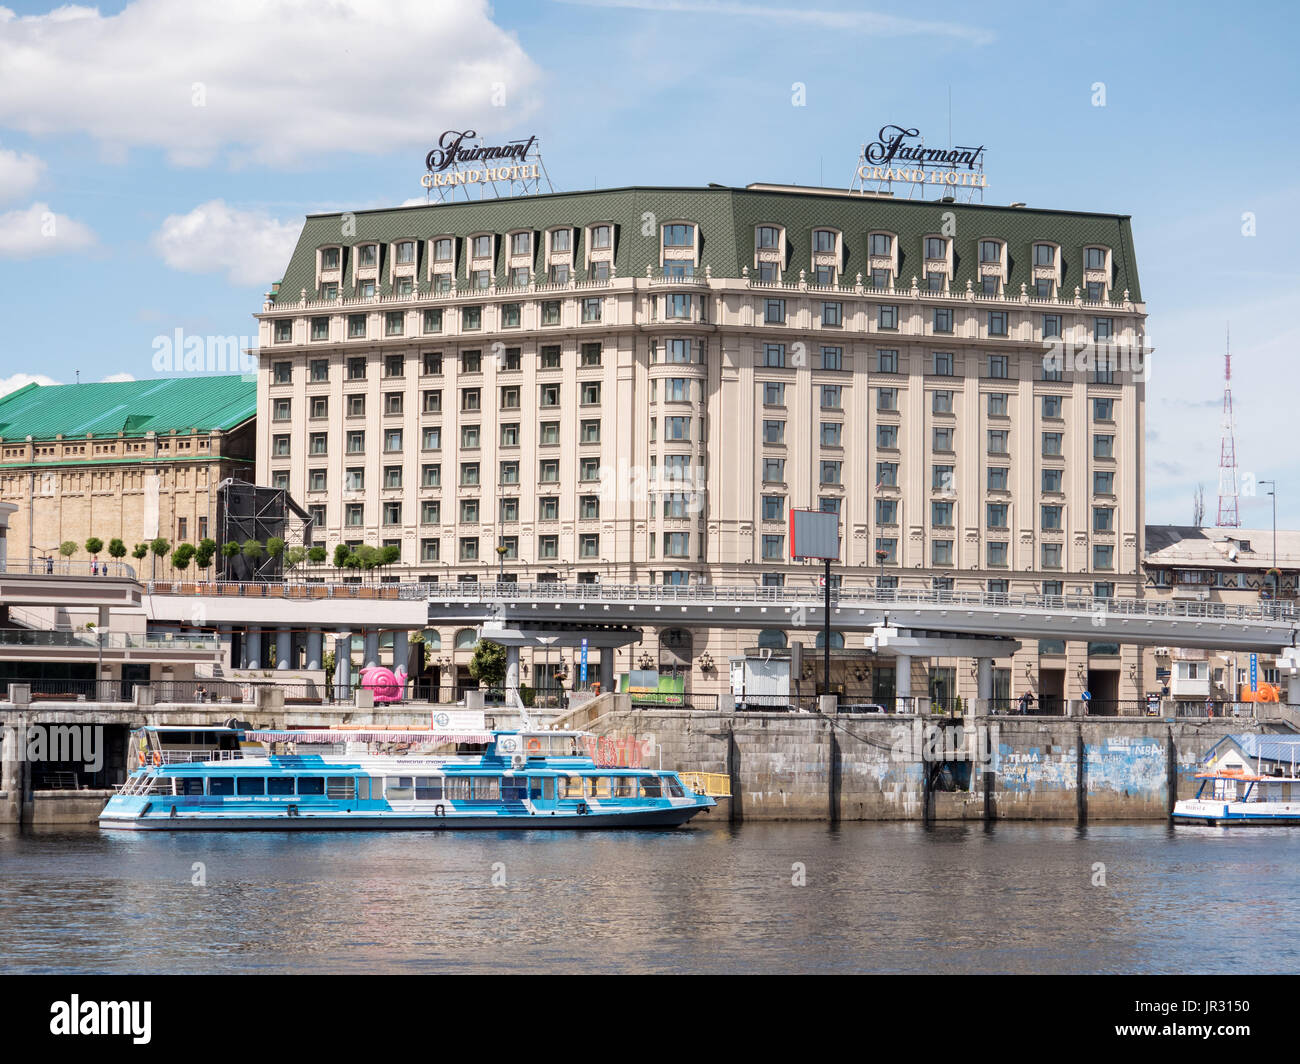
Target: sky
<point>157,156</point>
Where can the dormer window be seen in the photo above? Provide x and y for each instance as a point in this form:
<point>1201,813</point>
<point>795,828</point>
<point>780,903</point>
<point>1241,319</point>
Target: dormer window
<point>769,237</point>
<point>991,252</point>
<point>679,236</point>
<point>882,244</point>
<point>442,249</point>
<point>483,246</point>
<point>329,258</point>
<point>936,247</point>
<point>1044,255</point>
<point>560,240</point>
<point>602,237</point>
<point>405,252</point>
<point>824,241</point>
<point>1094,258</point>
<point>368,255</point>
<point>521,243</point>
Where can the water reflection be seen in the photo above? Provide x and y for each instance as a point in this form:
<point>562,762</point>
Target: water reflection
<point>948,897</point>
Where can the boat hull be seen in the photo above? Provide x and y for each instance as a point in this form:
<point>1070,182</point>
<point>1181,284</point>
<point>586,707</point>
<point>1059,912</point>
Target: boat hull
<point>649,818</point>
<point>1227,814</point>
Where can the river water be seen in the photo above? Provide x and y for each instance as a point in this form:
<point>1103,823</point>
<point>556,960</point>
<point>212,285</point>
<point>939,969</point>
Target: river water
<point>1020,898</point>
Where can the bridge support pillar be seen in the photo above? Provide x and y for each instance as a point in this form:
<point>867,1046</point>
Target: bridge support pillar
<point>400,649</point>
<point>370,658</point>
<point>253,648</point>
<point>983,684</point>
<point>343,665</point>
<point>283,646</point>
<point>903,682</point>
<point>607,669</point>
<point>314,641</point>
<point>512,666</point>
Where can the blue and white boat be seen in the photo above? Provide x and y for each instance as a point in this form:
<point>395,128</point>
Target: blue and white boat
<point>1248,779</point>
<point>238,779</point>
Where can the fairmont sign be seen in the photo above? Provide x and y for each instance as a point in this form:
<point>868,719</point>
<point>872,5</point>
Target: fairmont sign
<point>893,158</point>
<point>453,162</point>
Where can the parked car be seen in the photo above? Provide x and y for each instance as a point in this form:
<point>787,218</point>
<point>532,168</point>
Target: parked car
<point>863,707</point>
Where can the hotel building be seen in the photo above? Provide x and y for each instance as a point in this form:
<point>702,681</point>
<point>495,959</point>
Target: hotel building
<point>635,385</point>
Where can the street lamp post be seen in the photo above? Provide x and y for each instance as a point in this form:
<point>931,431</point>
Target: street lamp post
<point>1272,490</point>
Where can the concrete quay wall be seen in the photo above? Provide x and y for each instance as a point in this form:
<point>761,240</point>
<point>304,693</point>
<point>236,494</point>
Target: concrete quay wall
<point>785,766</point>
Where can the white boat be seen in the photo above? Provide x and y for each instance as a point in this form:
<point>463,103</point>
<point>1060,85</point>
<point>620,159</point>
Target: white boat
<point>1248,779</point>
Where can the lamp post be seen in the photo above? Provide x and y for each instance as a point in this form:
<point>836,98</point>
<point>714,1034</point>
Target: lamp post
<point>1272,490</point>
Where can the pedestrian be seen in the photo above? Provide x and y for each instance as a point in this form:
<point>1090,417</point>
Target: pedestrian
<point>1026,703</point>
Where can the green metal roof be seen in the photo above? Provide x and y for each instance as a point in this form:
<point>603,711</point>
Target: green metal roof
<point>727,217</point>
<point>181,404</point>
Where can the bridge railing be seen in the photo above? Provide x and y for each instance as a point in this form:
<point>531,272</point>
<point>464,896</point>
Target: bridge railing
<point>713,594</point>
<point>64,567</point>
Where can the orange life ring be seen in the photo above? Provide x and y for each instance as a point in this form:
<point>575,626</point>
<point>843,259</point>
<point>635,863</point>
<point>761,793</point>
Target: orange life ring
<point>534,746</point>
<point>157,758</point>
<point>141,756</point>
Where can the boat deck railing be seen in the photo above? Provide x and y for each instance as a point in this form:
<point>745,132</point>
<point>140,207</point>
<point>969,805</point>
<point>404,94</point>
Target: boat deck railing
<point>714,784</point>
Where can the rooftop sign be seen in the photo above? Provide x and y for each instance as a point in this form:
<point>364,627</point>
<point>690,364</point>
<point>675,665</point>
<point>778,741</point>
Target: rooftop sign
<point>900,154</point>
<point>455,163</point>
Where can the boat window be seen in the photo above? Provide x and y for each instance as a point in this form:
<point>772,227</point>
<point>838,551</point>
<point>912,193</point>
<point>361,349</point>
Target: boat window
<point>428,788</point>
<point>598,786</point>
<point>399,787</point>
<point>514,788</point>
<point>251,785</point>
<point>341,788</point>
<point>311,785</point>
<point>675,789</point>
<point>623,786</point>
<point>487,788</point>
<point>279,785</point>
<point>363,787</point>
<point>572,786</point>
<point>457,788</point>
<point>189,785</point>
<point>535,787</point>
<point>548,789</point>
<point>651,787</point>
<point>221,785</point>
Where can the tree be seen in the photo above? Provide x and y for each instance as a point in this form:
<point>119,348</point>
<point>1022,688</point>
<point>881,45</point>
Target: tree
<point>294,557</point>
<point>183,555</point>
<point>341,553</point>
<point>203,554</point>
<point>116,549</point>
<point>488,665</point>
<point>367,557</point>
<point>229,550</point>
<point>317,555</point>
<point>94,545</point>
<point>67,548</point>
<point>160,547</point>
<point>388,555</point>
<point>141,550</point>
<point>274,547</point>
<point>253,552</point>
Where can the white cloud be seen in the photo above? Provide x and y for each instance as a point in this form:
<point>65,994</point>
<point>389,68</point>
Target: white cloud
<point>21,380</point>
<point>37,230</point>
<point>18,173</point>
<point>271,81</point>
<point>250,246</point>
<point>871,23</point>
<point>117,378</point>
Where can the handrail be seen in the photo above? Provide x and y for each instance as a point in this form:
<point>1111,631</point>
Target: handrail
<point>55,567</point>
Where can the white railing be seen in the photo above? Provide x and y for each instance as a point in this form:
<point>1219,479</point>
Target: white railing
<point>63,567</point>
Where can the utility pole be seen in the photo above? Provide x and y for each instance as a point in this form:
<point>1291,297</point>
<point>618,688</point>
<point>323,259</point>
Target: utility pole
<point>1272,490</point>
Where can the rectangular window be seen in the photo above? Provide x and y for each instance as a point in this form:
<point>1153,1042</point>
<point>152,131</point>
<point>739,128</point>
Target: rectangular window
<point>774,355</point>
<point>887,436</point>
<point>998,441</point>
<point>1052,444</point>
<point>943,319</point>
<point>887,399</point>
<point>997,404</point>
<point>832,315</point>
<point>1052,406</point>
<point>886,474</point>
<point>943,478</point>
<point>1103,446</point>
<point>774,311</point>
<point>943,364</point>
<point>941,552</point>
<point>832,358</point>
<point>887,317</point>
<point>997,478</point>
<point>997,323</point>
<point>1052,481</point>
<point>394,322</point>
<point>1051,556</point>
<point>886,511</point>
<point>1050,518</point>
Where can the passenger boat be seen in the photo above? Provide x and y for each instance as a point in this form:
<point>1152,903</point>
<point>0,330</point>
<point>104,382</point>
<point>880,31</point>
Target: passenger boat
<point>1249,779</point>
<point>230,779</point>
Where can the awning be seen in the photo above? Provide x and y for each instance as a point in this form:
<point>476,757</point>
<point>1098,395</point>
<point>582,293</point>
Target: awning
<point>381,736</point>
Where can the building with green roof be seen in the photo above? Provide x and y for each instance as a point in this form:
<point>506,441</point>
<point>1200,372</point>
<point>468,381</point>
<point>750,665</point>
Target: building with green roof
<point>132,460</point>
<point>636,385</point>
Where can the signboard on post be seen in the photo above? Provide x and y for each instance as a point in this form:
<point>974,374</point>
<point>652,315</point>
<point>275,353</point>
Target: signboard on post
<point>582,675</point>
<point>814,534</point>
<point>1254,672</point>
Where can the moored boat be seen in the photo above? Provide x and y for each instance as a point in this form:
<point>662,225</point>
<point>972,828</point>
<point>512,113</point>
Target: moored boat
<point>1248,779</point>
<point>387,779</point>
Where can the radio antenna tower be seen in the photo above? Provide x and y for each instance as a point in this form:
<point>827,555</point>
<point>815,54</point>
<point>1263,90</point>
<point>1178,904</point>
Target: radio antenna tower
<point>1228,449</point>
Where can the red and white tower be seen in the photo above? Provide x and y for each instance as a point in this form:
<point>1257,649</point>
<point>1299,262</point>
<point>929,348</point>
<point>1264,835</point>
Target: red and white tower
<point>1228,450</point>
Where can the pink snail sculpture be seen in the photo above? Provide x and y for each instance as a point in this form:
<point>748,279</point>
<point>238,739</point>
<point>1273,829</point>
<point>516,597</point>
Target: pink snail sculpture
<point>387,685</point>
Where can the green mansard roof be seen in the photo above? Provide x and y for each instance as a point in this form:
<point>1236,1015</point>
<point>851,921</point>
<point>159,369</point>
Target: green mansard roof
<point>727,218</point>
<point>182,404</point>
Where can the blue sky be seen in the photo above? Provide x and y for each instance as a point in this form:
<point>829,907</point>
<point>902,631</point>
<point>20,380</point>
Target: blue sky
<point>170,215</point>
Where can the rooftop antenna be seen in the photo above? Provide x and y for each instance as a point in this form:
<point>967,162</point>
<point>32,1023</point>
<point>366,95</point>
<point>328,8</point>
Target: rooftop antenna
<point>1228,448</point>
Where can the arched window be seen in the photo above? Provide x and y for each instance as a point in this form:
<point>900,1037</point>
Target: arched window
<point>432,640</point>
<point>772,638</point>
<point>837,640</point>
<point>466,638</point>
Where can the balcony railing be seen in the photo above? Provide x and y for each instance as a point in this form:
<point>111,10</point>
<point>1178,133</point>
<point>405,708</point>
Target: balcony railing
<point>84,639</point>
<point>64,567</point>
